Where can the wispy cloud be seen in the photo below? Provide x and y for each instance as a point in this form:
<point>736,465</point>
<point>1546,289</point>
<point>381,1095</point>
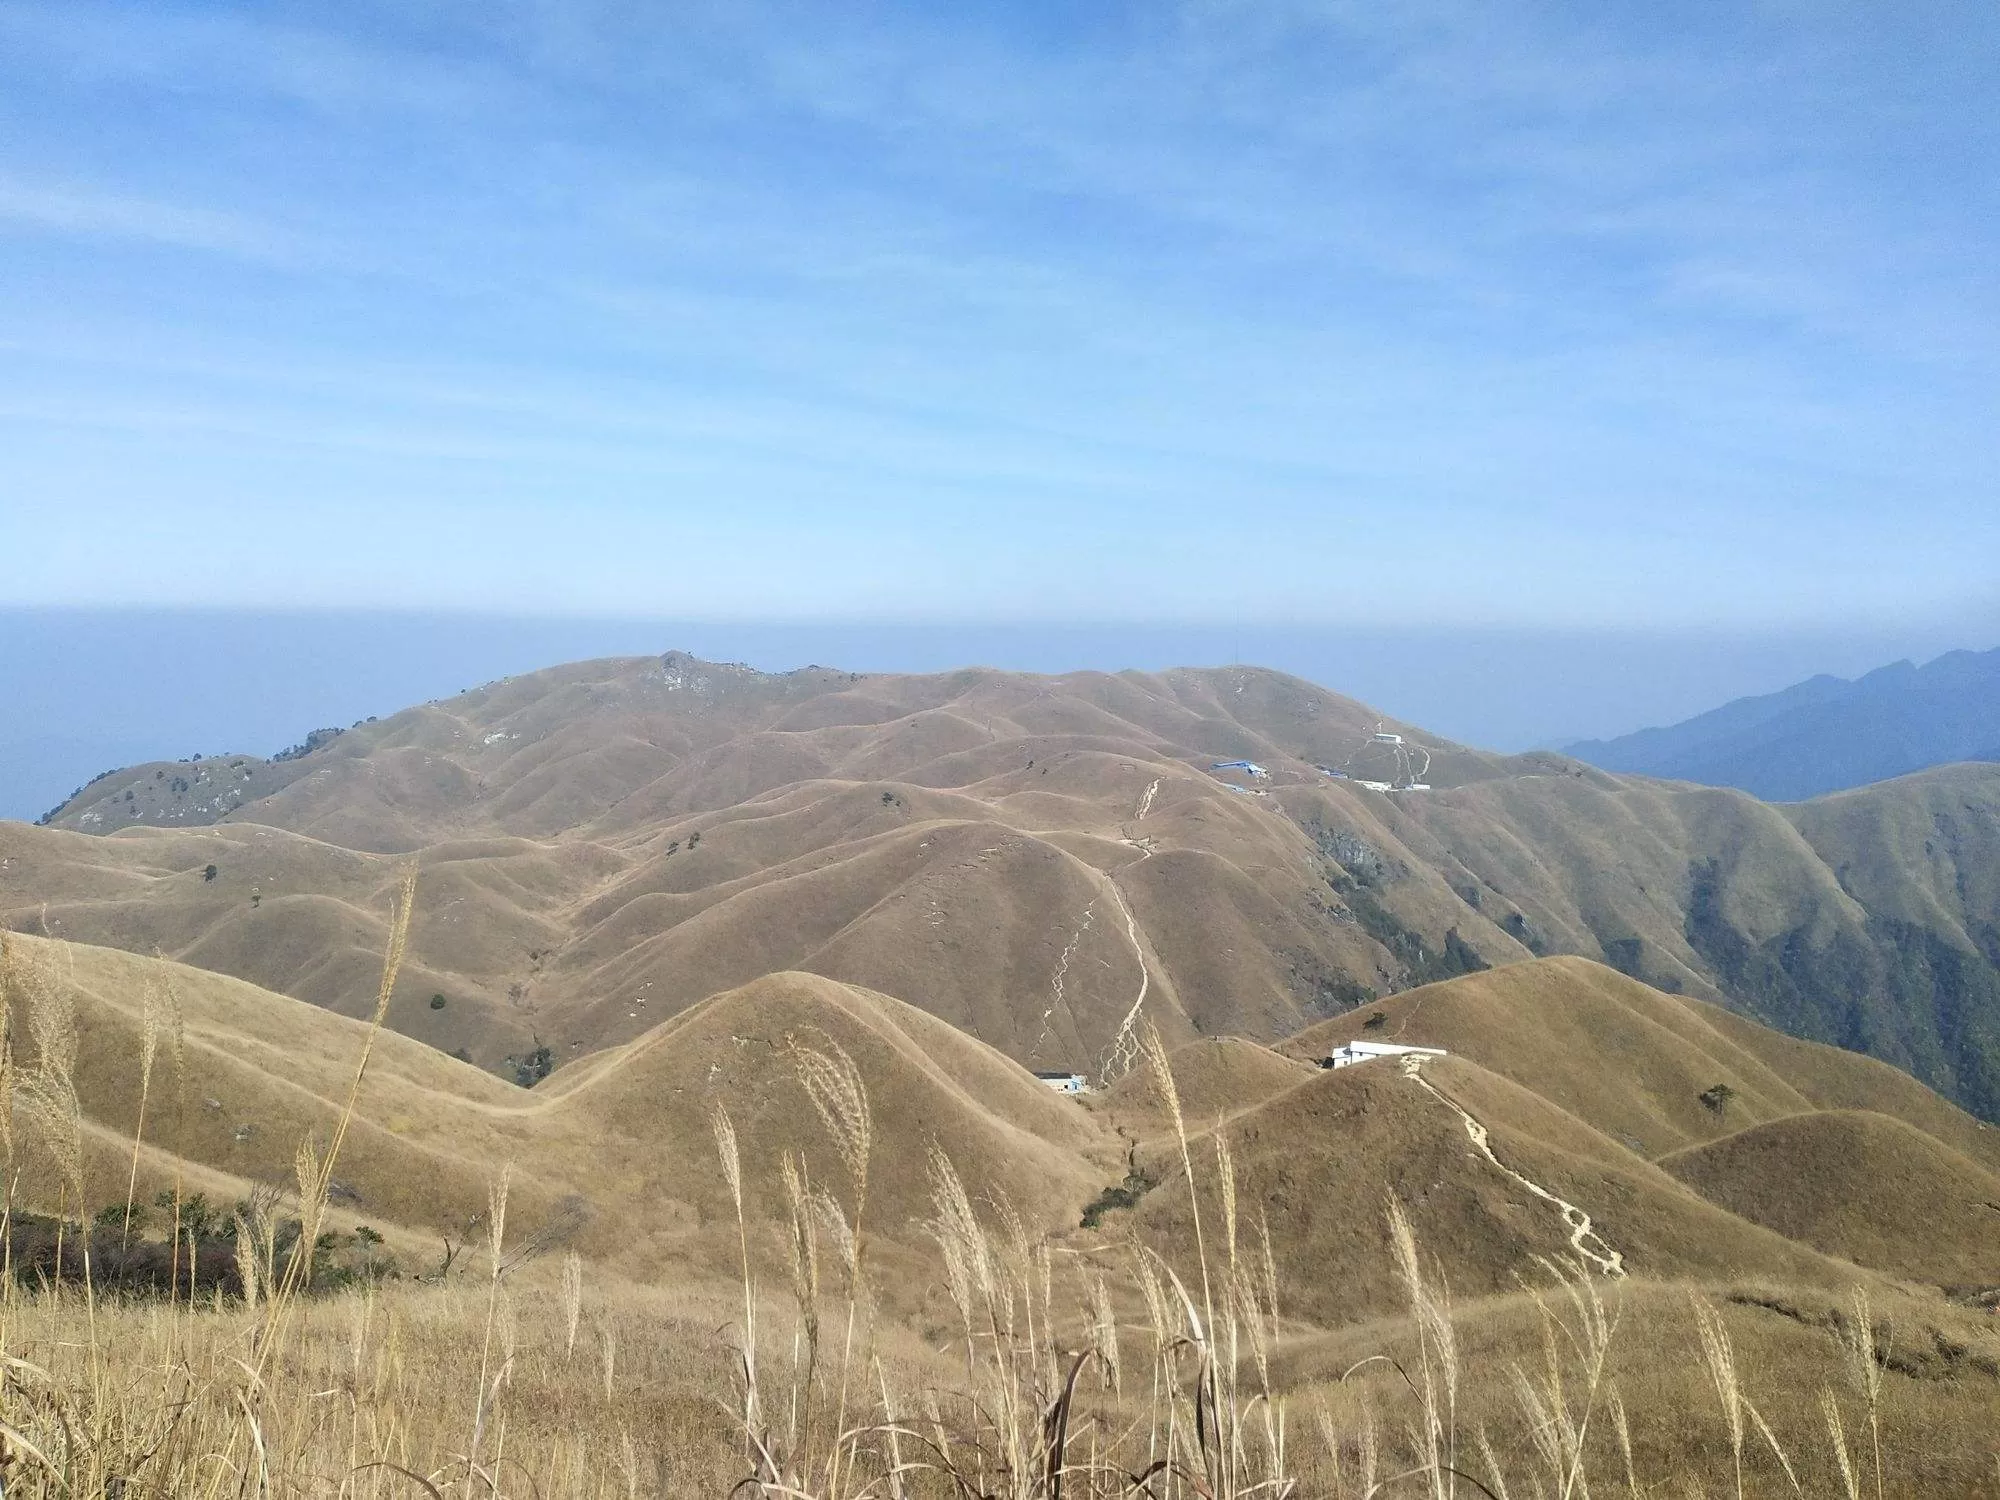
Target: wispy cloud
<point>91,214</point>
<point>1479,304</point>
<point>237,56</point>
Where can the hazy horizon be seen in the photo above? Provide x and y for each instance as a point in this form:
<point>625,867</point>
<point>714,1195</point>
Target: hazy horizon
<point>1531,373</point>
<point>92,689</point>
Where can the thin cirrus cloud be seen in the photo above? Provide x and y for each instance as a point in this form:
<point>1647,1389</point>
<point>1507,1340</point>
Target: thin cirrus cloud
<point>1639,316</point>
<point>89,214</point>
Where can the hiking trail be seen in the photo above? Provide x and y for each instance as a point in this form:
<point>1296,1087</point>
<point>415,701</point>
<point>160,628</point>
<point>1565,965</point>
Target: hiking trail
<point>1146,802</point>
<point>1059,1000</point>
<point>1124,1048</point>
<point>1582,1234</point>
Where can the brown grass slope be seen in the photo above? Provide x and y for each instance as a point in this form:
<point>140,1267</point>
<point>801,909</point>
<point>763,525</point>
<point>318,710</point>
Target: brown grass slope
<point>1837,1079</point>
<point>1868,918</point>
<point>1941,1379</point>
<point>1923,849</point>
<point>970,920</point>
<point>1634,1062</point>
<point>540,754</point>
<point>1863,1186</point>
<point>1320,1162</point>
<point>260,1073</point>
<point>646,1112</point>
<point>931,895</point>
<point>1215,1078</point>
<point>621,1148</point>
<point>303,917</point>
<point>1871,920</point>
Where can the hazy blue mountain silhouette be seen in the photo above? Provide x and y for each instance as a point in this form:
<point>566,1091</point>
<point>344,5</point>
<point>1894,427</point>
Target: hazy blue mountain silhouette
<point>1826,733</point>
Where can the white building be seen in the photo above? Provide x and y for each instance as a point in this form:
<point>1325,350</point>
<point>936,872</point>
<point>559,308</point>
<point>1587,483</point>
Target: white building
<point>1360,1052</point>
<point>1064,1083</point>
<point>1249,768</point>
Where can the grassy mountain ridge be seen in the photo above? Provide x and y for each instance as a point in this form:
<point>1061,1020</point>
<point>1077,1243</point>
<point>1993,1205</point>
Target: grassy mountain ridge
<point>1852,919</point>
<point>611,842</point>
<point>1834,1179</point>
<point>1604,1108</point>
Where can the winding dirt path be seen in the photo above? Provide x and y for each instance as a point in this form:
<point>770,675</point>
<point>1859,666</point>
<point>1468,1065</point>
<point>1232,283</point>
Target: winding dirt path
<point>1582,1234</point>
<point>1146,802</point>
<point>1124,1048</point>
<point>1059,999</point>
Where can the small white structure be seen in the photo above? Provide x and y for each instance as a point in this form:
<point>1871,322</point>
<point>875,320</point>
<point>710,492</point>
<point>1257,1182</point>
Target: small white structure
<point>1064,1083</point>
<point>1249,768</point>
<point>1386,761</point>
<point>1359,1052</point>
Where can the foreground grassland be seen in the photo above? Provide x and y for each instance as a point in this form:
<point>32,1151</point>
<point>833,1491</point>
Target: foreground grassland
<point>534,1379</point>
<point>281,1358</point>
<point>440,1390</point>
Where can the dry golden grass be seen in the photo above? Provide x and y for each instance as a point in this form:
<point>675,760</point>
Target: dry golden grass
<point>905,1329</point>
<point>161,1399</point>
<point>1854,1184</point>
<point>1215,1077</point>
<point>1055,1378</point>
<point>545,804</point>
<point>391,1376</point>
<point>610,843</point>
<point>1931,1394</point>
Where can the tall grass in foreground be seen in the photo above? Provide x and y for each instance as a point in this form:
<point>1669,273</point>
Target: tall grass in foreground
<point>1085,1376</point>
<point>1180,1400</point>
<point>1038,1400</point>
<point>99,1440</point>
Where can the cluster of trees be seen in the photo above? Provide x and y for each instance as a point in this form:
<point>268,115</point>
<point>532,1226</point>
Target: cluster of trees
<point>189,1248</point>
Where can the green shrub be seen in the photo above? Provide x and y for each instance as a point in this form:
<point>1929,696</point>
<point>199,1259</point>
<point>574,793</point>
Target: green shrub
<point>536,1066</point>
<point>1135,1186</point>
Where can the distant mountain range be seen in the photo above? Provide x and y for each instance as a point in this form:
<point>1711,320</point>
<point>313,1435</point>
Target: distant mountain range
<point>608,844</point>
<point>1827,733</point>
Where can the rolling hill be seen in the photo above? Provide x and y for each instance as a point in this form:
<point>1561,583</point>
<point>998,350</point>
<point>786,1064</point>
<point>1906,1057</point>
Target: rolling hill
<point>1838,1179</point>
<point>607,844</point>
<point>1828,733</point>
<point>1575,1122</point>
<point>618,1150</point>
<point>1809,1175</point>
<point>1602,1094</point>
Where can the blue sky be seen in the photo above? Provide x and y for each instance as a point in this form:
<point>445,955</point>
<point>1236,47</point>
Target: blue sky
<point>1645,317</point>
